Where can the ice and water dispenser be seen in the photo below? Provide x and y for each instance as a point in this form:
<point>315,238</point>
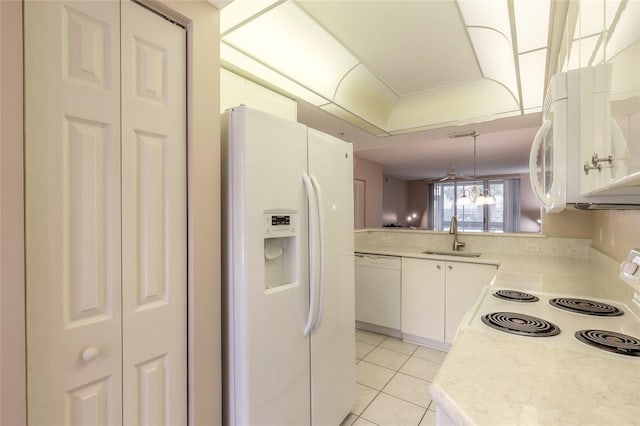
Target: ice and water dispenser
<point>280,248</point>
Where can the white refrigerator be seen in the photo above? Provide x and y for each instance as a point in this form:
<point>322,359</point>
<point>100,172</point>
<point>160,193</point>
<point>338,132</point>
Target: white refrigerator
<point>288,279</point>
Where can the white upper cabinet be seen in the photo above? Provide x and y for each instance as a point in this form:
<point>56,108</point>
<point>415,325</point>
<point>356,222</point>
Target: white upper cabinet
<point>609,45</point>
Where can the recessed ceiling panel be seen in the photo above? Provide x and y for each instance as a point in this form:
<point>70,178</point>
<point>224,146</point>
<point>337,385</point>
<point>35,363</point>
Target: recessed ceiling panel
<point>413,46</point>
<point>290,42</point>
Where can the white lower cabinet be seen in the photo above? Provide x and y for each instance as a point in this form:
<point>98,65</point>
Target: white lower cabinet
<point>463,284</point>
<point>436,295</point>
<point>423,297</point>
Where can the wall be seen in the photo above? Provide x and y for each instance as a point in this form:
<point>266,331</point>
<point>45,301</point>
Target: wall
<point>620,230</point>
<point>12,326</point>
<point>418,201</point>
<point>529,207</point>
<point>371,174</point>
<point>394,201</point>
<point>569,223</point>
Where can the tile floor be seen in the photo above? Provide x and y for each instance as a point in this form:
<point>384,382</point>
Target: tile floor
<point>392,378</point>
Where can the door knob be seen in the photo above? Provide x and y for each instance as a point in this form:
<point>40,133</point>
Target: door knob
<point>450,267</point>
<point>90,353</point>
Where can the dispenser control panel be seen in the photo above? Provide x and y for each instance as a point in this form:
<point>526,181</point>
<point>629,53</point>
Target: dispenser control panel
<point>280,224</point>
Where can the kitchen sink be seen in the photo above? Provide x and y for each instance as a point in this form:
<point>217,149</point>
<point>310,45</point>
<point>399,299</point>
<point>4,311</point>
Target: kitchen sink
<point>453,253</point>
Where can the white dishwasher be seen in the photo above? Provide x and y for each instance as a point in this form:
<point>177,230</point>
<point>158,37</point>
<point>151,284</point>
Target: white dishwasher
<point>377,294</point>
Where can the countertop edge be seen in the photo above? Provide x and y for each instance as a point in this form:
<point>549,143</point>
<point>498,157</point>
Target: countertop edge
<point>449,406</point>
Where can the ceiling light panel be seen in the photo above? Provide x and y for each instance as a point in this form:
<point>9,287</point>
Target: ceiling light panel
<point>611,9</point>
<point>532,68</point>
<point>587,48</point>
<point>574,57</point>
<point>627,31</point>
<point>398,40</point>
<point>239,11</point>
<point>486,13</point>
<point>532,24</point>
<point>249,67</point>
<point>495,55</point>
<point>591,17</point>
<point>290,42</point>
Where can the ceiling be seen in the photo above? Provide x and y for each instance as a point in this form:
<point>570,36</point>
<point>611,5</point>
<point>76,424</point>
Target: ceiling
<point>397,77</point>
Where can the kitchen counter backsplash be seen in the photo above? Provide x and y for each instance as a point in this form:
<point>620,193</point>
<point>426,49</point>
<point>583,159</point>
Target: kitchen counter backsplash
<point>407,240</point>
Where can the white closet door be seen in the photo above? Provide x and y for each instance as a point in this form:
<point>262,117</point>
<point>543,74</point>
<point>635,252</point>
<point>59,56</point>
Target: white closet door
<point>154,261</point>
<point>72,196</point>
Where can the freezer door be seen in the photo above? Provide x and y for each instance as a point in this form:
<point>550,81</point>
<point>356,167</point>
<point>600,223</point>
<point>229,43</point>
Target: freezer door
<point>333,341</point>
<point>266,353</point>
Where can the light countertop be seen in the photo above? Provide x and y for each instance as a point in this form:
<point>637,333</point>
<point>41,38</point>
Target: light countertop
<point>486,379</point>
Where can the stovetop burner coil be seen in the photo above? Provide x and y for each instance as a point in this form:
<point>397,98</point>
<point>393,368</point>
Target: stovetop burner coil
<point>515,296</point>
<point>610,341</point>
<point>587,307</point>
<point>521,324</point>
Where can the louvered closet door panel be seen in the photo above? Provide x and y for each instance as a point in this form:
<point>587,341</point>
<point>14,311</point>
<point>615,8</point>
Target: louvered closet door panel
<point>72,166</point>
<point>154,219</point>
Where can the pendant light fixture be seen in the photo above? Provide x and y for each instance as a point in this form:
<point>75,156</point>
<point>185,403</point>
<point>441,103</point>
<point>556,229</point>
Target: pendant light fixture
<point>475,196</point>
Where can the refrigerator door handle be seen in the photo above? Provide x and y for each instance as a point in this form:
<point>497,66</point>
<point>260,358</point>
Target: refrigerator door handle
<point>313,254</point>
<point>321,236</point>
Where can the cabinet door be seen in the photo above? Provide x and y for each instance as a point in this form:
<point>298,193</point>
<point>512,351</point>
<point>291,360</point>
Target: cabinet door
<point>423,298</point>
<point>464,284</point>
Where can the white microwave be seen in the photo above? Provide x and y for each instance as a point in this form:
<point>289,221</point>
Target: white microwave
<point>555,163</point>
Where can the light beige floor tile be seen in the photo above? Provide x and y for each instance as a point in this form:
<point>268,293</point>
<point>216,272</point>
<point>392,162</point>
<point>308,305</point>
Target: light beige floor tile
<point>430,354</point>
<point>364,396</point>
<point>420,368</point>
<point>363,349</point>
<point>429,419</point>
<point>369,337</point>
<point>409,389</point>
<point>390,411</point>
<point>398,345</point>
<point>373,375</point>
<point>348,421</point>
<point>386,358</point>
<point>363,422</point>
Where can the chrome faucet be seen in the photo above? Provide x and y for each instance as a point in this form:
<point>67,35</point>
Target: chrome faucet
<point>453,229</point>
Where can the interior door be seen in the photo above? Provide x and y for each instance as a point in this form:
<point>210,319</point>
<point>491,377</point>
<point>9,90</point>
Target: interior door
<point>97,297</point>
<point>333,342</point>
<point>154,261</point>
<point>72,196</point>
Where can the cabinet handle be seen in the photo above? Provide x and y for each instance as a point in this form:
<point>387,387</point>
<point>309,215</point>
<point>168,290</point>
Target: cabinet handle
<point>438,266</point>
<point>596,163</point>
<point>90,353</point>
<point>450,267</point>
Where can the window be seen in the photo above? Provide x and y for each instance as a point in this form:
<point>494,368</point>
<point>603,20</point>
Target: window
<point>503,216</point>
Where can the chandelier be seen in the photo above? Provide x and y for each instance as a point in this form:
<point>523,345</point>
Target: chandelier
<point>476,196</point>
